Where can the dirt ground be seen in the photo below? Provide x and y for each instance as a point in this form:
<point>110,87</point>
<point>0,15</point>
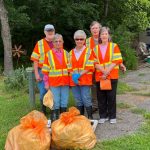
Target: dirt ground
<point>128,122</point>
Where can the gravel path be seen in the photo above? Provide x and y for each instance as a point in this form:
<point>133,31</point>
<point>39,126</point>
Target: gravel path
<point>128,122</point>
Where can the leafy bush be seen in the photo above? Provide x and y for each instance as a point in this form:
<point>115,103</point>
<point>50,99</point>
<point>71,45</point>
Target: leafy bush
<point>124,38</point>
<point>17,80</point>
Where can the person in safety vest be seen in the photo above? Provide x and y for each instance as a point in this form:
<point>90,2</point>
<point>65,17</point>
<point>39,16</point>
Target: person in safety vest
<point>107,67</point>
<point>91,42</point>
<point>55,68</point>
<point>38,55</point>
<point>81,67</point>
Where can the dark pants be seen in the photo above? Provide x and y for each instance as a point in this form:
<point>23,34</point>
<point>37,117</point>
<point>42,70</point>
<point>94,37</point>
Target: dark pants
<point>107,100</point>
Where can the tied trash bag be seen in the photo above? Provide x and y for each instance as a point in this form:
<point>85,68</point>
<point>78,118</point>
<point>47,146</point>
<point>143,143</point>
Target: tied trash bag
<point>48,99</point>
<point>31,134</point>
<point>73,131</point>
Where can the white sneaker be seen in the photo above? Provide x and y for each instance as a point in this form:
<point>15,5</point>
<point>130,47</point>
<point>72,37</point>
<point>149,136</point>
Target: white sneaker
<point>106,119</point>
<point>102,120</point>
<point>49,123</point>
<point>112,121</point>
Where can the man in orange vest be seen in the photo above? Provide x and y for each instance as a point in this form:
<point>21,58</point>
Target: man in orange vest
<point>91,42</point>
<point>38,55</point>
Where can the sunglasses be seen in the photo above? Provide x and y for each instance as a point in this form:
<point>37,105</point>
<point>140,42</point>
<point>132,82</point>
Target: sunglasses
<point>58,41</point>
<point>79,39</point>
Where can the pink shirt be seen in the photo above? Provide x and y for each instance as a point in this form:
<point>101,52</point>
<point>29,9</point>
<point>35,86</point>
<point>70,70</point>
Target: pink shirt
<point>50,44</point>
<point>78,52</point>
<point>103,49</point>
<point>59,54</point>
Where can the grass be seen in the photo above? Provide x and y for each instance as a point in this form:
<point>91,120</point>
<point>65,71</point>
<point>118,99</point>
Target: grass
<point>138,141</point>
<point>141,74</point>
<point>123,106</point>
<point>14,105</point>
<point>143,94</point>
<point>138,111</point>
<point>123,88</point>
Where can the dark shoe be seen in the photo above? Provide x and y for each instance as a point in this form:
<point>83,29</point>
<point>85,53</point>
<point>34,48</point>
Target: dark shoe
<point>81,109</point>
<point>43,108</point>
<point>63,109</point>
<point>89,112</point>
<point>53,118</point>
<point>94,109</point>
<point>55,114</point>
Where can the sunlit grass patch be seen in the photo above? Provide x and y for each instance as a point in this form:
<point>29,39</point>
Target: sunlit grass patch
<point>123,105</point>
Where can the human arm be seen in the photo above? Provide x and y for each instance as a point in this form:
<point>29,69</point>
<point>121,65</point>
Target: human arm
<point>37,76</point>
<point>46,82</point>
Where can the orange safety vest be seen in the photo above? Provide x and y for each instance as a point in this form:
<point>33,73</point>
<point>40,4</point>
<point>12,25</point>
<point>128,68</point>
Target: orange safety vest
<point>85,62</point>
<point>90,43</point>
<point>57,72</point>
<point>40,49</point>
<point>112,55</point>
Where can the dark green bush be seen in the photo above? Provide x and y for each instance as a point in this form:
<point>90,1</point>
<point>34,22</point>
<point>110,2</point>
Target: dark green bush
<point>124,38</point>
<point>17,80</point>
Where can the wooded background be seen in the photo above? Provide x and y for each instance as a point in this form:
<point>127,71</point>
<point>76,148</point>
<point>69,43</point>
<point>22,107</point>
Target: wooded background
<point>125,18</point>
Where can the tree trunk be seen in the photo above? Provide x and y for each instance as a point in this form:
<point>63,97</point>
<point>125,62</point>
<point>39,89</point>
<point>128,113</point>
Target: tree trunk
<point>6,37</point>
<point>106,2</point>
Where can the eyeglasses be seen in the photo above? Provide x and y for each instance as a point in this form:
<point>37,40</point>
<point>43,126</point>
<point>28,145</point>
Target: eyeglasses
<point>79,39</point>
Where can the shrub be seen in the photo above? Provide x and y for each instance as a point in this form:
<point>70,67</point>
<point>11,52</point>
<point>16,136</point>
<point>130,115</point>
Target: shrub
<point>17,80</point>
<point>124,38</point>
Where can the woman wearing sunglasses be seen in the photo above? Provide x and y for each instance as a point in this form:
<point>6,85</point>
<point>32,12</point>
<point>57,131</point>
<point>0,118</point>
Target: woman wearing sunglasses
<point>81,67</point>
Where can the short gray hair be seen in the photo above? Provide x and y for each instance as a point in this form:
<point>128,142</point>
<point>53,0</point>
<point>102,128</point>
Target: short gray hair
<point>79,33</point>
<point>57,36</point>
<point>95,22</point>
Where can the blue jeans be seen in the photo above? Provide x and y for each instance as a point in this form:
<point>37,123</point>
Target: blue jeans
<point>82,95</point>
<point>61,95</point>
<point>41,86</point>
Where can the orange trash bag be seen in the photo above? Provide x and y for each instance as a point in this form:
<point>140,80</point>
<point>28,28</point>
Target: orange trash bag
<point>48,99</point>
<point>31,134</point>
<point>73,131</point>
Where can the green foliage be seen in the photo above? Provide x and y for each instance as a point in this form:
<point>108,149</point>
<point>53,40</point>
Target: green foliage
<point>124,38</point>
<point>123,88</point>
<point>126,18</point>
<point>17,80</point>
<point>123,105</point>
<point>136,15</point>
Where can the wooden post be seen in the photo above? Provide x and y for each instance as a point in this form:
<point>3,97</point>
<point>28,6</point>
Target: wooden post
<point>31,77</point>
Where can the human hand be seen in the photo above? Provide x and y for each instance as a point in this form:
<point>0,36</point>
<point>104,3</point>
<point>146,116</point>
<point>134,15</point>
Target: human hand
<point>123,68</point>
<point>47,87</point>
<point>103,77</point>
<point>106,72</point>
<point>37,77</point>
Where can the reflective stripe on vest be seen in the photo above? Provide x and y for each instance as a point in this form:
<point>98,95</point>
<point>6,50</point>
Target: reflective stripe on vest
<point>86,62</point>
<point>88,42</point>
<point>35,55</point>
<point>53,71</point>
<point>111,53</point>
<point>41,51</point>
<point>112,56</point>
